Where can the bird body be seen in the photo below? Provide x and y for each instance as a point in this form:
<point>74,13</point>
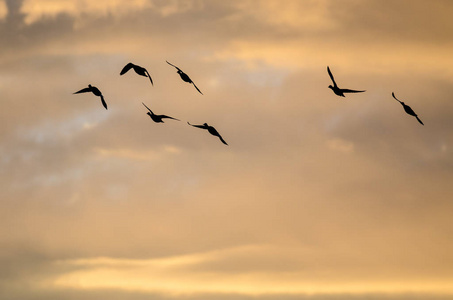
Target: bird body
<point>408,109</point>
<point>157,118</point>
<point>185,77</point>
<point>211,130</point>
<point>139,70</point>
<point>95,91</point>
<point>336,89</point>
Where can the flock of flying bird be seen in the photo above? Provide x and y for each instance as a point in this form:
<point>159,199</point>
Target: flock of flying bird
<point>159,118</point>
<point>156,118</point>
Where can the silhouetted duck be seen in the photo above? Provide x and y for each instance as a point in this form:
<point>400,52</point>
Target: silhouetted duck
<point>185,77</point>
<point>157,118</point>
<point>95,91</point>
<point>408,109</point>
<point>139,70</point>
<point>210,129</point>
<point>336,89</point>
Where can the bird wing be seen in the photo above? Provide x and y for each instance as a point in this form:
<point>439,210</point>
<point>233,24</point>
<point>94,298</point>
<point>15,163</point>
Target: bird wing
<point>85,90</point>
<point>198,126</point>
<point>351,91</point>
<point>126,68</point>
<point>331,76</point>
<point>149,76</point>
<point>103,102</point>
<point>393,94</point>
<point>196,87</point>
<point>174,66</point>
<point>148,108</point>
<point>168,117</point>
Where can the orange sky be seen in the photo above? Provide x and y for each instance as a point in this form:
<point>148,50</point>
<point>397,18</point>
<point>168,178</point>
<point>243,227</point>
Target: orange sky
<point>316,196</point>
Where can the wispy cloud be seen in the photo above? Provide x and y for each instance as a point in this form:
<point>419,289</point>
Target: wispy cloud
<point>38,9</point>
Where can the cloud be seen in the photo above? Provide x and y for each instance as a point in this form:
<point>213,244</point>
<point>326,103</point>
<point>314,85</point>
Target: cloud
<point>315,192</point>
<point>3,10</point>
<point>38,9</point>
<point>175,275</point>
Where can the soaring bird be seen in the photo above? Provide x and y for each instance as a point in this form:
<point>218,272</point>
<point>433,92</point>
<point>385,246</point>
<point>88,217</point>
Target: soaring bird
<point>95,91</point>
<point>185,77</point>
<point>157,118</point>
<point>211,130</point>
<point>408,109</point>
<point>336,89</point>
<point>139,70</point>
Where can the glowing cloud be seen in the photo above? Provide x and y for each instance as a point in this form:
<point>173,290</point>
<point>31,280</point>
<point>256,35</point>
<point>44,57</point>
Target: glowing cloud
<point>38,9</point>
<point>179,275</point>
<point>3,9</point>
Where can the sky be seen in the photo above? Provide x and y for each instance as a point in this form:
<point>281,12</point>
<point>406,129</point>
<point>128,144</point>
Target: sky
<point>316,196</point>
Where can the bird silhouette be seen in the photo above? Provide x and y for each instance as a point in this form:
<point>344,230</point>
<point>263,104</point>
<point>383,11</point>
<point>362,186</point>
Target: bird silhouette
<point>95,91</point>
<point>408,109</point>
<point>139,70</point>
<point>336,89</point>
<point>157,118</point>
<point>184,76</point>
<point>211,130</point>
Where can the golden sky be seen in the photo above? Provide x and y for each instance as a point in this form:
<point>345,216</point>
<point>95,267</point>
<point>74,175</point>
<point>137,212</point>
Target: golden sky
<point>316,197</point>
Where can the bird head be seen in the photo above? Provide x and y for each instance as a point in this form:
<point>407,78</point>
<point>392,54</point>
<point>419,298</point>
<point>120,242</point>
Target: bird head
<point>205,124</point>
<point>89,85</point>
<point>330,87</point>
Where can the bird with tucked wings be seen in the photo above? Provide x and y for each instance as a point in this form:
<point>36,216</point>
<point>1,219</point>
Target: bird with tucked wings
<point>185,77</point>
<point>408,109</point>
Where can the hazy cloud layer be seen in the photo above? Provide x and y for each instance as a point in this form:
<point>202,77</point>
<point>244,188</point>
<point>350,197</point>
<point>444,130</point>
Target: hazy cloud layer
<point>317,197</point>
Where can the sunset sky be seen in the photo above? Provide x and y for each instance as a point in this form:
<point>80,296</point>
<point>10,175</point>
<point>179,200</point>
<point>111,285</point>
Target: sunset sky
<point>316,197</point>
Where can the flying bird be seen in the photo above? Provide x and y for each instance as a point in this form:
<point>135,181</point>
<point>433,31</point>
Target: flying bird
<point>211,130</point>
<point>185,77</point>
<point>157,118</point>
<point>139,70</point>
<point>408,109</point>
<point>336,89</point>
<point>95,91</point>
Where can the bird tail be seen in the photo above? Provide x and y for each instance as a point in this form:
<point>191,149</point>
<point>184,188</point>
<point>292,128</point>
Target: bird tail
<point>419,120</point>
<point>197,88</point>
<point>223,141</point>
<point>103,102</point>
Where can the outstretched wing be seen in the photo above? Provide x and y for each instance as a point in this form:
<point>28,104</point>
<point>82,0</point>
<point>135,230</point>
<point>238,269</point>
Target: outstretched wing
<point>393,94</point>
<point>148,108</point>
<point>103,102</point>
<point>149,76</point>
<point>85,90</point>
<point>331,76</point>
<point>168,117</point>
<point>198,126</point>
<point>196,88</point>
<point>126,68</point>
<point>173,66</point>
<point>351,91</point>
